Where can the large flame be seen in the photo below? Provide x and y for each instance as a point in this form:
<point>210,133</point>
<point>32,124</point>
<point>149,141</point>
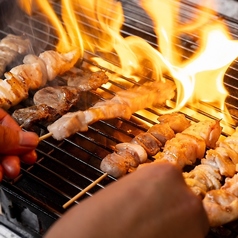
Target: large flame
<point>95,26</point>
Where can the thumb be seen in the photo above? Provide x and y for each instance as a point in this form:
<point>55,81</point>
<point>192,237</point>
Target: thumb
<point>16,142</point>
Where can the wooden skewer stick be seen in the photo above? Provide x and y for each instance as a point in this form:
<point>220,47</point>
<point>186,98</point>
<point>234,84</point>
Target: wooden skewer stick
<point>84,190</point>
<point>45,136</point>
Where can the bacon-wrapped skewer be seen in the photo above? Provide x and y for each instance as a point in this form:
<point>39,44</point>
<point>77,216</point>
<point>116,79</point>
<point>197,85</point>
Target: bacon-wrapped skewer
<point>217,163</point>
<point>122,105</point>
<point>33,74</point>
<point>128,156</point>
<point>10,47</point>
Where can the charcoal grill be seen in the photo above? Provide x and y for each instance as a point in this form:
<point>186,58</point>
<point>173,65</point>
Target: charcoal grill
<point>64,168</point>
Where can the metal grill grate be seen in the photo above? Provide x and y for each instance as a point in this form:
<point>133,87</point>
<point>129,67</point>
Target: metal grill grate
<point>65,168</point>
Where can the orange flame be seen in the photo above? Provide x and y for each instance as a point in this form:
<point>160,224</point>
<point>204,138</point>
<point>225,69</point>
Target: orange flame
<point>95,26</point>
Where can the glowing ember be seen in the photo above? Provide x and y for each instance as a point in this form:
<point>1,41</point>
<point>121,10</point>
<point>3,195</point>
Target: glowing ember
<point>95,26</point>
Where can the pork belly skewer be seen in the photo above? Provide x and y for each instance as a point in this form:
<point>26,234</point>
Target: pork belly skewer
<point>10,47</point>
<point>33,74</point>
<point>218,162</point>
<point>122,105</point>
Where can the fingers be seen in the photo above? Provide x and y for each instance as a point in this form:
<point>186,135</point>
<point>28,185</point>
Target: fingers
<point>17,142</point>
<point>29,158</point>
<point>8,121</point>
<point>10,165</point>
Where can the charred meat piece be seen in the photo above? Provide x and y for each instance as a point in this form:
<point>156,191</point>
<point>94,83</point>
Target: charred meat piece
<point>26,117</point>
<point>51,103</point>
<point>61,97</point>
<point>85,80</point>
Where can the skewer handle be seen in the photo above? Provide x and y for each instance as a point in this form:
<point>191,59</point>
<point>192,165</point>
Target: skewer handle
<point>45,136</point>
<point>84,190</point>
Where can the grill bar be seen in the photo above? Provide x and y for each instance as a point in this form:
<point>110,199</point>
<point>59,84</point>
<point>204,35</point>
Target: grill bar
<point>65,168</point>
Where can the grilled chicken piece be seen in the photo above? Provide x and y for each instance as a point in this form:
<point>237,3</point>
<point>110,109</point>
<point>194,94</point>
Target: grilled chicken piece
<point>221,205</point>
<point>122,105</point>
<point>50,104</point>
<point>10,47</point>
<point>85,80</point>
<point>32,75</point>
<point>217,163</point>
<point>177,121</point>
<point>190,144</point>
<point>142,145</point>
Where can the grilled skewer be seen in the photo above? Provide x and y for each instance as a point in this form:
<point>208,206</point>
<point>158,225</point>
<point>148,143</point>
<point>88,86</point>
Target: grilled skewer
<point>50,103</point>
<point>10,47</point>
<point>122,105</point>
<point>221,205</point>
<point>218,162</point>
<point>183,148</point>
<point>33,74</point>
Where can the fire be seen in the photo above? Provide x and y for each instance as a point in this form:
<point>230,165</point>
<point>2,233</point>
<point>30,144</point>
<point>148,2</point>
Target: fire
<point>94,26</point>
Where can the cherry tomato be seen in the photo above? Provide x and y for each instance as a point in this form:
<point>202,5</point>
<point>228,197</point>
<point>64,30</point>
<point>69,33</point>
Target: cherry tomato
<point>11,166</point>
<point>29,158</point>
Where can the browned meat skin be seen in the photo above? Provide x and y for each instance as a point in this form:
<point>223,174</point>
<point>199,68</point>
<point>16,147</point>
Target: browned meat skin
<point>114,163</point>
<point>151,145</point>
<point>177,121</point>
<point>50,104</point>
<point>85,80</point>
<point>191,143</point>
<point>162,132</point>
<point>61,97</point>
<point>27,117</point>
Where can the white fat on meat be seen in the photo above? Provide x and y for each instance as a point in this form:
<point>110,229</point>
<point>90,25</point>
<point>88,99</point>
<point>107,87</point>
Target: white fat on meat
<point>33,59</point>
<point>68,125</point>
<point>30,73</point>
<point>57,63</point>
<point>17,43</point>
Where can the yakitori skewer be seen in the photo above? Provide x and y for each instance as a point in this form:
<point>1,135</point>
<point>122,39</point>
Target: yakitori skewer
<point>49,134</point>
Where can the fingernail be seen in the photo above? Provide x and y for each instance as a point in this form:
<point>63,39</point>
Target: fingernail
<point>28,139</point>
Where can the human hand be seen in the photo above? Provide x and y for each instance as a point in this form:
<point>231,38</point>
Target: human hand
<point>153,201</point>
<point>15,146</point>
